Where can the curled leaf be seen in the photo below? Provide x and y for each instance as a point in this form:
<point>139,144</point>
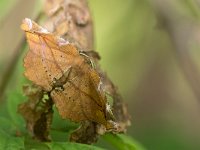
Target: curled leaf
<point>71,19</point>
<point>120,110</point>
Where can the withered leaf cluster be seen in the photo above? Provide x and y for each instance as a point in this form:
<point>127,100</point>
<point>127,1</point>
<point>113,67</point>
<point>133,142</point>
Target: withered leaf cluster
<point>64,74</point>
<point>70,19</point>
<point>37,112</point>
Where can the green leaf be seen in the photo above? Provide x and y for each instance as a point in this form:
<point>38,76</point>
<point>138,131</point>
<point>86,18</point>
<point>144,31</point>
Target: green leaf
<point>61,128</point>
<point>71,146</point>
<point>8,142</point>
<point>14,99</point>
<point>31,144</point>
<point>122,142</point>
<point>8,138</point>
<point>7,126</point>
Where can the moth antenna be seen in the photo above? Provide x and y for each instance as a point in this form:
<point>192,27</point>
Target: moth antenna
<point>91,62</point>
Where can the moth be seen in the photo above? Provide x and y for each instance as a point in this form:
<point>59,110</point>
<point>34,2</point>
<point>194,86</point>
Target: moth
<point>60,69</point>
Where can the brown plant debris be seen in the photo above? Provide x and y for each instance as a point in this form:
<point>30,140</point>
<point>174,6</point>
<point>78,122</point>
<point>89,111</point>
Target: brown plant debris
<point>86,133</point>
<point>120,111</point>
<point>68,71</point>
<point>70,19</point>
<point>58,68</point>
<point>37,112</point>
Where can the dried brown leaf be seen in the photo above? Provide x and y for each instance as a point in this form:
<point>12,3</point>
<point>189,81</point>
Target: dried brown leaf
<point>74,85</point>
<point>49,56</point>
<point>70,19</point>
<point>120,110</point>
<point>59,68</point>
<point>37,112</point>
<point>86,133</point>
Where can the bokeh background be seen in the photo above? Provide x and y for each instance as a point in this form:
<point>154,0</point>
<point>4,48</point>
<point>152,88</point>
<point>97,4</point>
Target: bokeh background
<point>151,51</point>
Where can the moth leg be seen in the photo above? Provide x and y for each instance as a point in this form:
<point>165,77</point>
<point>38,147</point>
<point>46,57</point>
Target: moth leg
<point>62,80</point>
<point>90,60</point>
<point>91,53</point>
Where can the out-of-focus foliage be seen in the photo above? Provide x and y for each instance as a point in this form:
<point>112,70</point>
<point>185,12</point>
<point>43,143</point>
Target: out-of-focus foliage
<point>13,134</point>
<point>150,49</point>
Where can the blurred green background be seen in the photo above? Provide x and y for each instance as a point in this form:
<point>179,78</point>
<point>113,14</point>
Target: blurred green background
<point>149,48</point>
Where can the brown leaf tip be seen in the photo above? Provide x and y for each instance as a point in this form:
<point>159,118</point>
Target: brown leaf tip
<point>31,26</point>
<point>26,24</point>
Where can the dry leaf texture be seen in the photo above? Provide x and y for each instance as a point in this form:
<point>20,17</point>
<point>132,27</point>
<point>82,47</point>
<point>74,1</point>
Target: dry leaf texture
<point>57,66</point>
<point>70,19</point>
